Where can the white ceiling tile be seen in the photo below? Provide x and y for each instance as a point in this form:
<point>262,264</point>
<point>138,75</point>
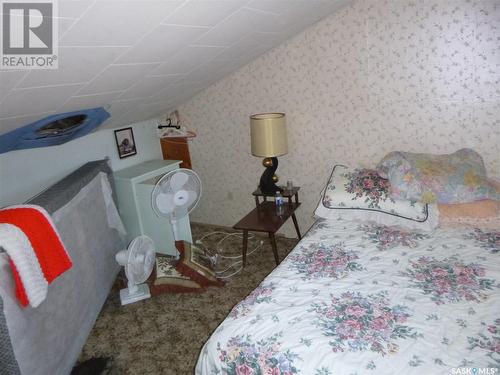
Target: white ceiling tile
<point>76,103</point>
<point>161,106</point>
<point>161,43</point>
<point>111,23</point>
<point>176,89</point>
<point>276,7</point>
<point>304,7</point>
<point>73,9</point>
<point>130,115</point>
<point>149,86</point>
<point>147,56</point>
<point>248,45</point>
<point>204,72</point>
<point>117,77</point>
<point>188,59</point>
<point>76,65</point>
<point>8,124</point>
<point>9,80</point>
<point>329,6</point>
<point>36,100</point>
<point>203,13</point>
<point>300,11</point>
<point>231,29</point>
<point>119,107</point>
<point>64,25</point>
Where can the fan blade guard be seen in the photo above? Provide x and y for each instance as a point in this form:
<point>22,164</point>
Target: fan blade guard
<point>178,180</point>
<point>165,203</point>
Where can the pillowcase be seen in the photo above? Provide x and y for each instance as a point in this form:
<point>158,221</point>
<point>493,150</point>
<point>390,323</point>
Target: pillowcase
<point>482,214</point>
<point>451,178</point>
<point>361,194</point>
<point>474,210</point>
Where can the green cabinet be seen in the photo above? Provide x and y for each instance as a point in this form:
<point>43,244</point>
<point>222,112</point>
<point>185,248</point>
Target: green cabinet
<point>134,186</point>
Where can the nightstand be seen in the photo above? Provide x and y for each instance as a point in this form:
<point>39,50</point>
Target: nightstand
<point>289,194</point>
<point>264,218</point>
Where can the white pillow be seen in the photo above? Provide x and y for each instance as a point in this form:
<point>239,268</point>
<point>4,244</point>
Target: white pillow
<point>361,194</point>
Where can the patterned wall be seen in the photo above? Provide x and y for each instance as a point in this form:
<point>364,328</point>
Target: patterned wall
<point>375,77</point>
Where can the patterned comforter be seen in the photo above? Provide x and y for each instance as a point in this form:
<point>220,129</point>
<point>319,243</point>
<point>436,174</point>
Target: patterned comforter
<point>369,299</point>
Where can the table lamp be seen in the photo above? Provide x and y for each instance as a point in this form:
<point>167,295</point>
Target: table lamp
<point>268,134</point>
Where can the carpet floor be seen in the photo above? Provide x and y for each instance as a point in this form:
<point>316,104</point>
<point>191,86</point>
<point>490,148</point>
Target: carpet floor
<point>164,334</point>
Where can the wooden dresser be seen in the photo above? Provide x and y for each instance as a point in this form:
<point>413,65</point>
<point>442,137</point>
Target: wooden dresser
<point>134,186</point>
<point>176,149</point>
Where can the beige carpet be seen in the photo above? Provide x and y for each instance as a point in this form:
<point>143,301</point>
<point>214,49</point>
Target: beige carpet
<point>164,334</point>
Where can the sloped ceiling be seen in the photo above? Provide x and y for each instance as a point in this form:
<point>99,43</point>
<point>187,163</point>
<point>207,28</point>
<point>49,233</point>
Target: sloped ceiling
<point>139,59</point>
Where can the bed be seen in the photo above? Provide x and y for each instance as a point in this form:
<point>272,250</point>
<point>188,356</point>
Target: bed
<point>48,339</point>
<point>361,296</point>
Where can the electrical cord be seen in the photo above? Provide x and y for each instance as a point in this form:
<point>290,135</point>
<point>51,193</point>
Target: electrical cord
<point>215,255</point>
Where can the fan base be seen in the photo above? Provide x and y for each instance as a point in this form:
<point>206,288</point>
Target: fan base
<point>141,293</point>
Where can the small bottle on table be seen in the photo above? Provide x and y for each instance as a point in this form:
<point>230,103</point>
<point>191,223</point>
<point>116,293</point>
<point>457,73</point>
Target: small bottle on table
<point>278,200</point>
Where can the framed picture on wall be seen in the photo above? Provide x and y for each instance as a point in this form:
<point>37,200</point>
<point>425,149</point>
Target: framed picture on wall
<point>125,142</point>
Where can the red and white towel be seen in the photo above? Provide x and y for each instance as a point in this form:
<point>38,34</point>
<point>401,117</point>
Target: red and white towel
<point>36,253</point>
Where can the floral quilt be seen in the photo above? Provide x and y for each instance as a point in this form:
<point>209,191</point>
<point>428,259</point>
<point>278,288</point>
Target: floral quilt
<point>356,298</point>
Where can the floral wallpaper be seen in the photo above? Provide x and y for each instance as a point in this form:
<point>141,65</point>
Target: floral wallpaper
<point>376,76</point>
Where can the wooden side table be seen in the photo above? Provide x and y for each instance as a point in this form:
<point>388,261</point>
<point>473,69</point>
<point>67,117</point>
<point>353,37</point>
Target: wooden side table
<point>290,195</point>
<point>264,218</point>
<point>287,194</point>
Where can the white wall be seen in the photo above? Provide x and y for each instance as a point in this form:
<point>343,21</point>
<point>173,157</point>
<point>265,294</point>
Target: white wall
<point>377,76</point>
<point>25,173</point>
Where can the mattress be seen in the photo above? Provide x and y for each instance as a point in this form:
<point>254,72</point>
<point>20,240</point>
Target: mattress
<point>64,190</point>
<point>48,339</point>
<point>355,298</point>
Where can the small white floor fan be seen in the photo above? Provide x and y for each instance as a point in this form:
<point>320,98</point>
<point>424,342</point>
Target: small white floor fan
<point>175,195</point>
<point>138,260</point>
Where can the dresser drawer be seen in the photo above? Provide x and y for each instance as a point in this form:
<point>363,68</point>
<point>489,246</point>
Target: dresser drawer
<point>176,149</point>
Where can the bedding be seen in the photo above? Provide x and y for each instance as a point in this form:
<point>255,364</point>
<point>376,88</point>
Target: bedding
<point>36,253</point>
<point>475,210</point>
<point>364,298</point>
<point>59,194</point>
<point>459,177</point>
<point>362,194</point>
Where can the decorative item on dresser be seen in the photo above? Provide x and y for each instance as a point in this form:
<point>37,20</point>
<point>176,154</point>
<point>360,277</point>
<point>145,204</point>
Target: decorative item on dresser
<point>269,140</point>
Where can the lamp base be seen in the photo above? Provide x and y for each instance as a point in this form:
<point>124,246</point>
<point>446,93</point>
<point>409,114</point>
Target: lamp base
<point>268,180</point>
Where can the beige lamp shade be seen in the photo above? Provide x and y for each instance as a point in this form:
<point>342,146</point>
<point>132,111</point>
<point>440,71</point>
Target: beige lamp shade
<point>268,133</point>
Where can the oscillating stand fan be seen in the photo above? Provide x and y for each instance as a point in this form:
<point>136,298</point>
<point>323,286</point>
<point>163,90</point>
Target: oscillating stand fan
<point>139,260</point>
<point>175,195</point>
